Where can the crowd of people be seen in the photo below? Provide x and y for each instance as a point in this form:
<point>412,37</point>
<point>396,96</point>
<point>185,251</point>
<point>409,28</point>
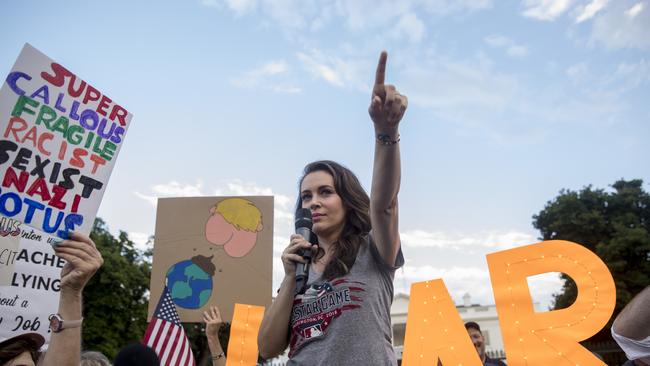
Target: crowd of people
<point>342,316</point>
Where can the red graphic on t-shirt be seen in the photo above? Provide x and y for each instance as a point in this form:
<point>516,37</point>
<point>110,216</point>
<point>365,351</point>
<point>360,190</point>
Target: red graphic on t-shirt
<point>313,312</point>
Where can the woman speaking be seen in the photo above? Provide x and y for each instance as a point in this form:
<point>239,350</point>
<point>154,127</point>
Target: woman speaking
<point>343,317</point>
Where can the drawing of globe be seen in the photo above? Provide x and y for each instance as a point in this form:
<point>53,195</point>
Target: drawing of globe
<point>190,282</point>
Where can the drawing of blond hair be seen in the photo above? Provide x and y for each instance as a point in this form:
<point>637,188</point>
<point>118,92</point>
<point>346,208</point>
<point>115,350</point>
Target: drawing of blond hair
<point>240,213</point>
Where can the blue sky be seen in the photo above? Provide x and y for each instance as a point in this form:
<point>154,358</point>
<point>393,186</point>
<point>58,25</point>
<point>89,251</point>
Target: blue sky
<point>510,102</point>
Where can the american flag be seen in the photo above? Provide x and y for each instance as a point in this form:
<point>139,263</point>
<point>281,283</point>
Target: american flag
<point>166,336</point>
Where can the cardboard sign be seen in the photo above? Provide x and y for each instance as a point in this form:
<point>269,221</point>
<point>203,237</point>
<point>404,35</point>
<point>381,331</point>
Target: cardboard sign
<point>29,280</point>
<point>213,250</point>
<point>59,139</point>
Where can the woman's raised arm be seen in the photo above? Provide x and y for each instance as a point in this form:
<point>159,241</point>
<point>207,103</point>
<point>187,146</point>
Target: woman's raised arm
<point>386,109</point>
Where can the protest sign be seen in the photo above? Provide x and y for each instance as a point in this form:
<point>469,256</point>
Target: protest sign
<point>59,139</point>
<point>29,279</point>
<point>213,250</point>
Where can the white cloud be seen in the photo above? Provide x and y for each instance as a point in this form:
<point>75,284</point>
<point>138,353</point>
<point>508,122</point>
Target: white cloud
<point>626,77</point>
<point>265,77</point>
<point>588,11</point>
<point>578,72</point>
<point>460,87</point>
<point>512,48</point>
<point>335,70</point>
<point>459,280</point>
<point>171,189</point>
<point>543,286</point>
<point>469,92</point>
<point>634,11</point>
<point>241,6</point>
<point>459,241</point>
<point>476,282</point>
<point>321,69</point>
<point>211,3</point>
<point>547,10</point>
<point>410,27</point>
<point>517,51</point>
<point>428,272</point>
<point>140,240</point>
<point>283,204</point>
<point>623,25</point>
<point>616,24</point>
<point>371,14</point>
<point>178,189</point>
<point>358,15</point>
<point>287,89</point>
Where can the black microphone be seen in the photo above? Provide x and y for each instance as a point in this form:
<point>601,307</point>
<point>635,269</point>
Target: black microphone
<point>303,228</point>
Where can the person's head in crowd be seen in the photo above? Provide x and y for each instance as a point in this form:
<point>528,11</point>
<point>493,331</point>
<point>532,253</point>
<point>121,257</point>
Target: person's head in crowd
<point>136,354</point>
<point>474,331</point>
<point>94,358</point>
<point>21,349</point>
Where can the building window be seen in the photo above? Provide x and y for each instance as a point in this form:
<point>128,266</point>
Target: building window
<point>398,334</point>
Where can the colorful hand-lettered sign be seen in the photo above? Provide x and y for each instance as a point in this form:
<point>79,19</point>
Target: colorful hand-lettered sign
<point>213,250</point>
<point>59,139</point>
<point>30,281</point>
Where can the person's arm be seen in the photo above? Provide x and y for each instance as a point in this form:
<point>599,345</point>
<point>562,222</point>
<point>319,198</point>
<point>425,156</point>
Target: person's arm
<point>634,320</point>
<point>386,109</point>
<point>213,322</point>
<point>273,336</point>
<point>83,259</point>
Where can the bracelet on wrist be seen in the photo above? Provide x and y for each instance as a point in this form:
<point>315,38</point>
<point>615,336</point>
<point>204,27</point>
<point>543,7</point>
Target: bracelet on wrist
<point>386,140</point>
<point>220,355</point>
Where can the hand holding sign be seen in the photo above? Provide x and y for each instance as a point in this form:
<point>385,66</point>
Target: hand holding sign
<point>387,105</point>
<point>83,261</point>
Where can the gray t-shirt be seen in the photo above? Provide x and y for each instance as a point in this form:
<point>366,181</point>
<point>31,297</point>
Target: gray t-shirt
<point>346,321</point>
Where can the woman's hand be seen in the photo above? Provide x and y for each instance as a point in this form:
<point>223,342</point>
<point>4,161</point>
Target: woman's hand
<point>387,105</point>
<point>213,321</point>
<point>83,260</point>
<point>290,255</point>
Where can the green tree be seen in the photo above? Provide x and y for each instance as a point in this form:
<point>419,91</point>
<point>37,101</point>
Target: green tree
<point>615,225</point>
<point>116,298</point>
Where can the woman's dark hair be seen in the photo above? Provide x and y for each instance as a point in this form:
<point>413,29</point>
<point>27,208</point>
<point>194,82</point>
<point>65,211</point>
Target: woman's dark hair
<point>15,348</point>
<point>356,204</point>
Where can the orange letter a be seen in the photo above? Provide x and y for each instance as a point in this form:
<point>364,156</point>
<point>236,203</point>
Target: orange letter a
<point>434,329</point>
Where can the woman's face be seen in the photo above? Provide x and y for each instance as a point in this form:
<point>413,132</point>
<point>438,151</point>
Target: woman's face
<point>317,193</point>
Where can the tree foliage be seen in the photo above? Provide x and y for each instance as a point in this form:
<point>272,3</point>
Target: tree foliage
<point>615,225</point>
<point>116,298</point>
